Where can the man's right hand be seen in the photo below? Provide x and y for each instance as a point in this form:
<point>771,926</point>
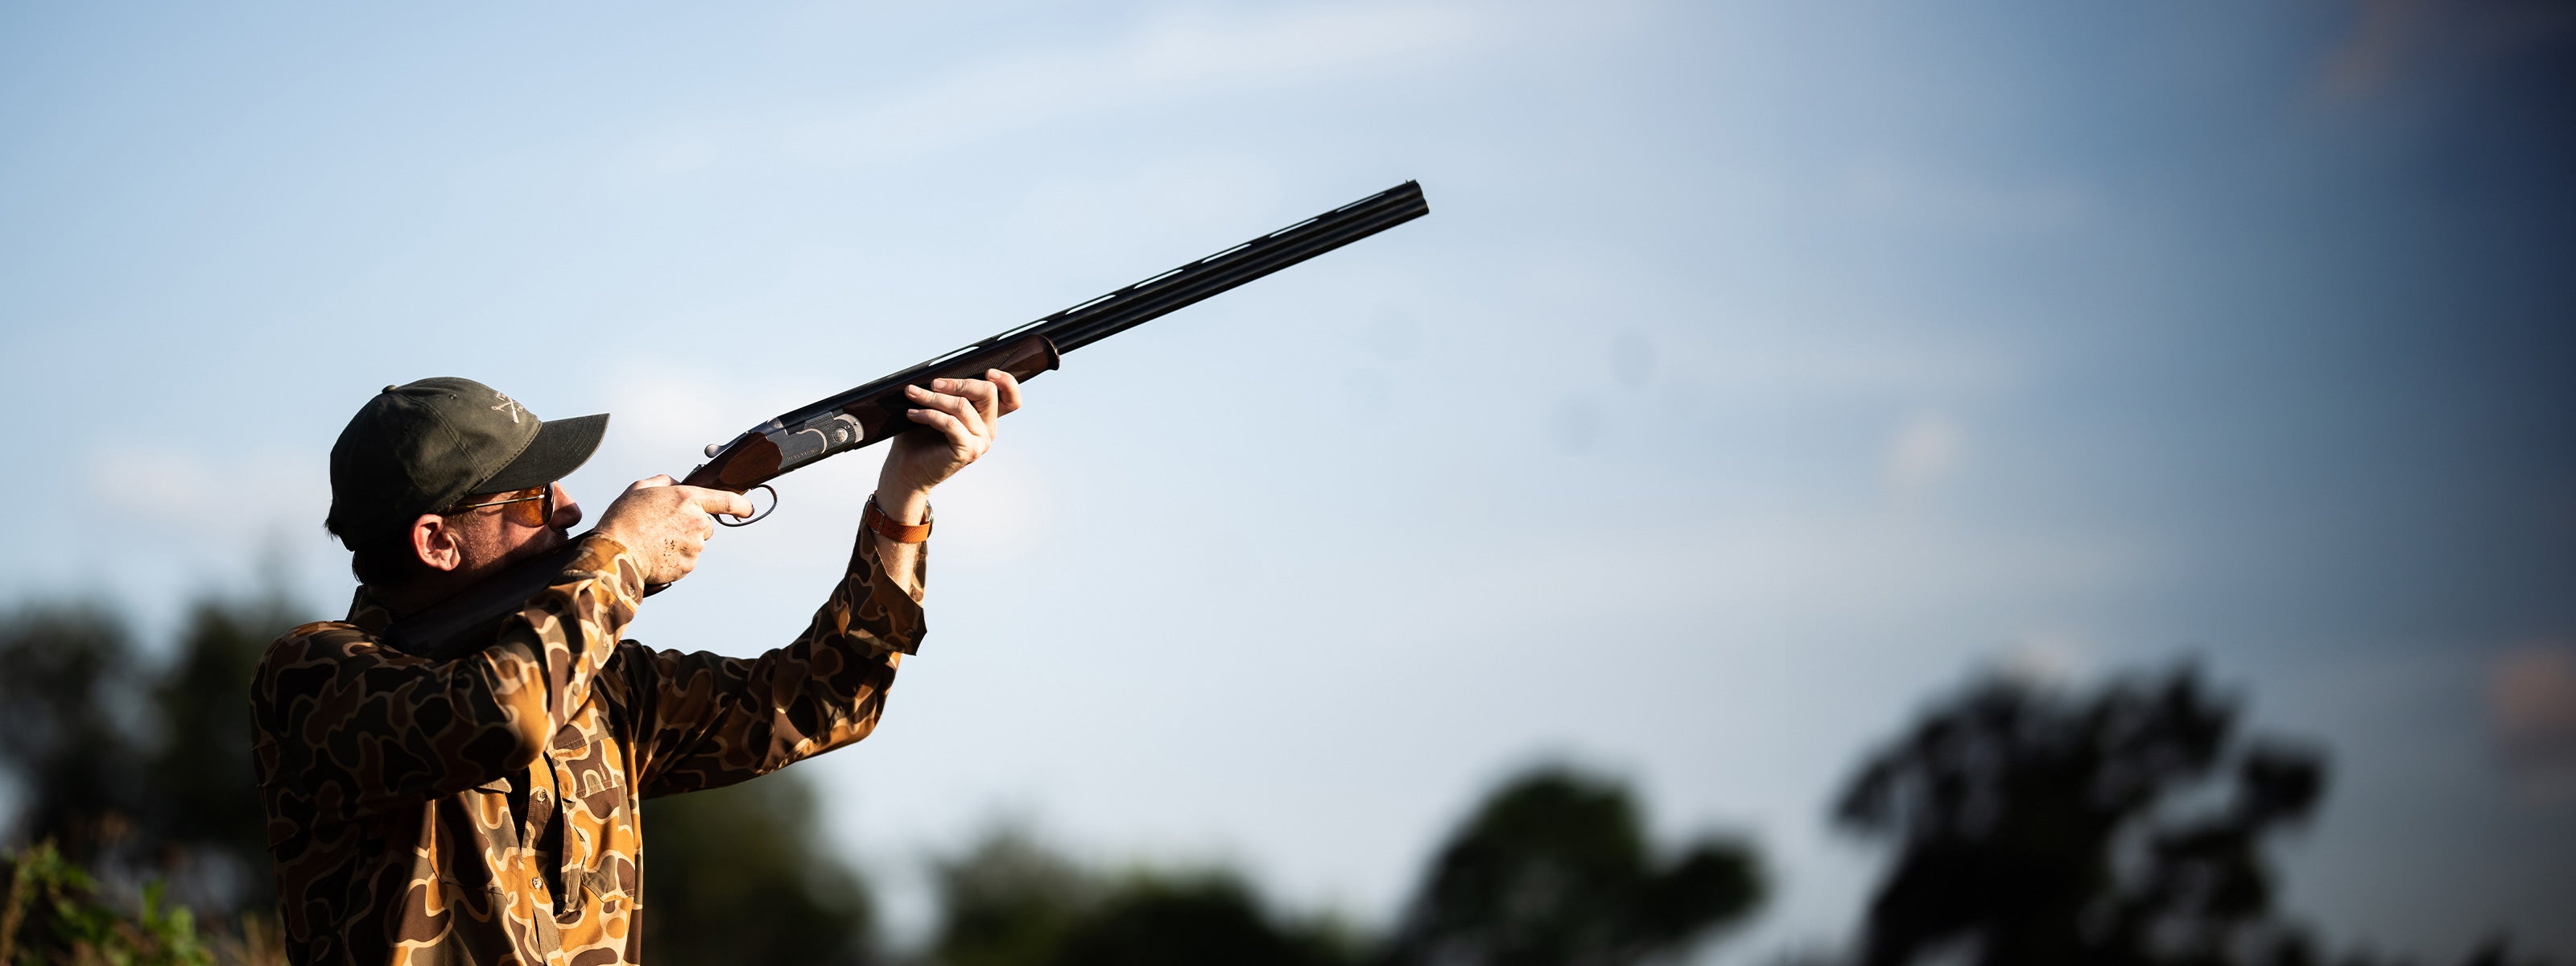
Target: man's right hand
<point>666,525</point>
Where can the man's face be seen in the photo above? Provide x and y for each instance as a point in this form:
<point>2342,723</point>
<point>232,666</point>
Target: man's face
<point>492,537</point>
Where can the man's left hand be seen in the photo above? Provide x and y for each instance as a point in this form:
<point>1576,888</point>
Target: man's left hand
<point>961,415</point>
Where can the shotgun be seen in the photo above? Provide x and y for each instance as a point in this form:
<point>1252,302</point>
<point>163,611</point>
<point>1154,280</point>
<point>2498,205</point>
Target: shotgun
<point>874,411</point>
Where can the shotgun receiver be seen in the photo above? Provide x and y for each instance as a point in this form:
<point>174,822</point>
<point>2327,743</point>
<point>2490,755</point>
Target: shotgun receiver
<point>873,412</point>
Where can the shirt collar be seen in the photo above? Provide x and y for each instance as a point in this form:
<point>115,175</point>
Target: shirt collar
<point>368,614</point>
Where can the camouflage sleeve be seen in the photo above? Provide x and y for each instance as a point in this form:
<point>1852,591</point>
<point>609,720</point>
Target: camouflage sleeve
<point>355,727</point>
<point>713,721</point>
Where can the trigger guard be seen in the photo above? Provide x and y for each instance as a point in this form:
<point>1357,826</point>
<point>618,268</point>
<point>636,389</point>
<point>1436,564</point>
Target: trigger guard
<point>719,518</point>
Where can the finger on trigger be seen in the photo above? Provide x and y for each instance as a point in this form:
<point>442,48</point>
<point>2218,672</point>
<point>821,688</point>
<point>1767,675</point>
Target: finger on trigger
<point>727,502</point>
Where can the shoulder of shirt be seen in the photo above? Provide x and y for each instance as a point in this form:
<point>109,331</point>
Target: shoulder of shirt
<point>307,649</point>
<point>324,633</point>
<point>320,639</point>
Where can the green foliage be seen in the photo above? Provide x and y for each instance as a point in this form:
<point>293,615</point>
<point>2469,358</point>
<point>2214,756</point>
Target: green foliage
<point>1554,869</point>
<point>138,770</point>
<point>54,914</point>
<point>736,875</point>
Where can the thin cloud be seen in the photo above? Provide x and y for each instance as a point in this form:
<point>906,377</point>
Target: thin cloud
<point>1924,450</point>
<point>229,500</point>
<point>1171,60</point>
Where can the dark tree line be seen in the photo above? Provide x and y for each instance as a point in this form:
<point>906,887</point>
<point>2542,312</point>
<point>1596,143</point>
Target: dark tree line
<point>135,769</point>
<point>139,772</point>
<point>2128,825</point>
<point>1553,868</point>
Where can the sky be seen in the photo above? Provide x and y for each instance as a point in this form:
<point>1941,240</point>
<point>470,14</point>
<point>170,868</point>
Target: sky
<point>1763,373</point>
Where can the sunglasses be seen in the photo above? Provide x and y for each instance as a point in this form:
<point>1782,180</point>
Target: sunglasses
<point>530,507</point>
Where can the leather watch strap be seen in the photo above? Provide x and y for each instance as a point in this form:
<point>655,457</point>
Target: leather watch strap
<point>876,520</point>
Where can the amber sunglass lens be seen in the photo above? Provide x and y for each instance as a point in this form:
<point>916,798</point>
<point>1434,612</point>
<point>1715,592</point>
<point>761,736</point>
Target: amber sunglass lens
<point>532,511</point>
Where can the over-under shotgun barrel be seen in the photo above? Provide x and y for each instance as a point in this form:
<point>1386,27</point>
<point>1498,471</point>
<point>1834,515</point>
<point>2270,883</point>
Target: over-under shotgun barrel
<point>870,413</point>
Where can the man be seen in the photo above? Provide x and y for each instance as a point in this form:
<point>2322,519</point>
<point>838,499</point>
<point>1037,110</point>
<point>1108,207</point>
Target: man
<point>481,806</point>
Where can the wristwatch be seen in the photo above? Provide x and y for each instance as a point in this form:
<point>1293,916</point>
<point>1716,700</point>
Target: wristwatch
<point>876,520</point>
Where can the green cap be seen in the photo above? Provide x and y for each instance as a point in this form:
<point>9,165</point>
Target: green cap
<point>422,446</point>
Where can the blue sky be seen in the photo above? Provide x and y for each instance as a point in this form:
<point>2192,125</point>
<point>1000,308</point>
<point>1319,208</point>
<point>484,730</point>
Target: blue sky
<point>1762,373</point>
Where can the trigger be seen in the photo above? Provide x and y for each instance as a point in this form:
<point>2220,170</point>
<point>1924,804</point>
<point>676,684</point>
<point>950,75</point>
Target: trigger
<point>755,518</point>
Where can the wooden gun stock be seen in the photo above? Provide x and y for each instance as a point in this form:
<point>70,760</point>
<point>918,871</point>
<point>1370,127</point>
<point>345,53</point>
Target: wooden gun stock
<point>860,417</point>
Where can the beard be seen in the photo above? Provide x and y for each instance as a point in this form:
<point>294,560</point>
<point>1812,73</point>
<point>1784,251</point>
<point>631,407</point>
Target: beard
<point>488,549</point>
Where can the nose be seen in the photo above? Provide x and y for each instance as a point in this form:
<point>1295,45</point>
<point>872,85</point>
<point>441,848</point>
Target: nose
<point>567,512</point>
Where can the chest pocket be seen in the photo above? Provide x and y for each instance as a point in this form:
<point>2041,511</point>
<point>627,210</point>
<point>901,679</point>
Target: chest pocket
<point>592,773</point>
<point>598,819</point>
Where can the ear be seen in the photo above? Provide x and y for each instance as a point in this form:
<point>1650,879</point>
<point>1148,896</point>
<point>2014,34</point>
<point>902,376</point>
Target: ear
<point>435,543</point>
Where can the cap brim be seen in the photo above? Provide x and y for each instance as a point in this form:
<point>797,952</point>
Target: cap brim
<point>561,446</point>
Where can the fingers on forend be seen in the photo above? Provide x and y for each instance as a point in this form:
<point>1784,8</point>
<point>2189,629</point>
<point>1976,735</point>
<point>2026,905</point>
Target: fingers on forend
<point>961,408</point>
<point>975,391</point>
<point>954,405</point>
<point>984,397</point>
<point>1006,388</point>
<point>951,425</point>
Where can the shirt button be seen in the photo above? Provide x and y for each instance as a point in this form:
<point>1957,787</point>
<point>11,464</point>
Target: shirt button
<point>536,883</point>
<point>539,794</point>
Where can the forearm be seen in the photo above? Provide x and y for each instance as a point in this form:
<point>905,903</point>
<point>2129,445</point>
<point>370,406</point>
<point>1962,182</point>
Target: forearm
<point>717,720</point>
<point>909,506</point>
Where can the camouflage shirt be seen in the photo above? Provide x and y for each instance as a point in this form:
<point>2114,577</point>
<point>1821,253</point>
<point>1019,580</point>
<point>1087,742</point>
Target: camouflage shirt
<point>484,809</point>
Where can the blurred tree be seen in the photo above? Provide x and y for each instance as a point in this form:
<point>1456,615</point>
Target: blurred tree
<point>733,875</point>
<point>1010,901</point>
<point>136,770</point>
<point>67,677</point>
<point>2124,827</point>
<point>1554,870</point>
<point>203,810</point>
<point>1186,921</point>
